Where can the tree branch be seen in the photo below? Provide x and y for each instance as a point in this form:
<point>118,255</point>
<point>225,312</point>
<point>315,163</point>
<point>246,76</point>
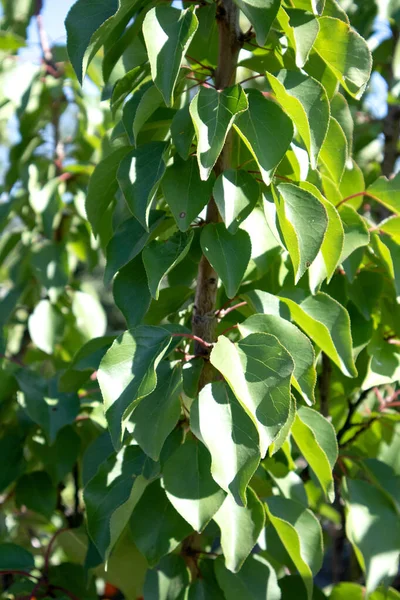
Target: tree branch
<point>204,319</point>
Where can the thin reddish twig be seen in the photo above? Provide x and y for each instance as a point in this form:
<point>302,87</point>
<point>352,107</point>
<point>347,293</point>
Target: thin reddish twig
<point>195,338</point>
<point>229,329</point>
<point>250,78</point>
<point>18,572</point>
<point>357,195</point>
<point>211,69</point>
<point>50,548</point>
<point>223,312</point>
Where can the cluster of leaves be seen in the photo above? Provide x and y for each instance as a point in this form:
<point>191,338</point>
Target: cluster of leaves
<point>271,445</point>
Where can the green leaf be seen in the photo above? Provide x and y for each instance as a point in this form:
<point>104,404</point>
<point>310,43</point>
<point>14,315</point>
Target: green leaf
<point>13,557</point>
<point>45,405</point>
<point>168,581</point>
<point>295,342</point>
<point>50,264</point>
<point>89,314</point>
<point>316,439</point>
<point>341,112</point>
<point>138,176</point>
<point>182,131</point>
<point>127,374</point>
<point>261,14</point>
<point>262,122</point>
<point>156,527</point>
<point>36,491</point>
<point>240,528</point>
<point>387,192</point>
<point>305,30</point>
<point>327,323</point>
<point>111,495</point>
<point>139,109</point>
<point>300,533</point>
<point>85,361</point>
<point>103,186</point>
<point>305,101</point>
<point>303,220</point>
<point>186,194</point>
<point>46,326</point>
<point>157,414</point>
<point>373,528</point>
<point>256,580</point>
<point>167,33</point>
<point>131,292</point>
<point>195,496</point>
<point>219,421</point>
<point>328,258</point>
<point>120,249</point>
<point>160,257</point>
<point>213,114</point>
<point>258,369</point>
<point>236,193</point>
<point>82,22</point>
<point>126,567</point>
<point>11,449</point>
<point>356,233</point>
<point>351,59</point>
<point>228,254</point>
<point>170,300</point>
<point>334,151</point>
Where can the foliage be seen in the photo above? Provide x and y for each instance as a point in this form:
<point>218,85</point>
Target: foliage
<point>200,319</point>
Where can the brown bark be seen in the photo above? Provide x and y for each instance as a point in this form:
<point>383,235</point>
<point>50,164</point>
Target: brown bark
<point>204,320</point>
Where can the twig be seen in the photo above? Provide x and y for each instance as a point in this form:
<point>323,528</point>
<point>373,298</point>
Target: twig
<point>50,548</point>
<point>211,69</point>
<point>202,81</point>
<point>14,360</point>
<point>225,311</point>
<point>250,78</point>
<point>18,572</point>
<point>362,429</point>
<point>195,338</point>
<point>229,329</point>
<point>357,195</point>
<point>352,409</point>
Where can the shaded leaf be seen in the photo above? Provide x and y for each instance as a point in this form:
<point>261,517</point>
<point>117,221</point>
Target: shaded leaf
<point>138,175</point>
<point>235,193</point>
<point>240,528</point>
<point>261,14</point>
<point>295,342</point>
<point>258,369</point>
<point>213,113</point>
<point>316,439</point>
<point>262,122</point>
<point>305,101</point>
<point>160,257</point>
<point>228,254</point>
<point>195,496</point>
<point>167,33</point>
<point>219,421</point>
<point>156,527</point>
<point>158,413</point>
<point>256,580</point>
<point>186,194</point>
<point>301,534</point>
<point>351,61</point>
<point>127,374</point>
